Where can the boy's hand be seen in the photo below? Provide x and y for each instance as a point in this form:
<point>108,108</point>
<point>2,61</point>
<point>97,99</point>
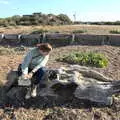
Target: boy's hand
<point>28,76</point>
<point>25,76</point>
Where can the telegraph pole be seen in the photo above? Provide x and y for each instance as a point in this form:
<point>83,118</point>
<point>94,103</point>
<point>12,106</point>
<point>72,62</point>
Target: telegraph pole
<point>74,15</point>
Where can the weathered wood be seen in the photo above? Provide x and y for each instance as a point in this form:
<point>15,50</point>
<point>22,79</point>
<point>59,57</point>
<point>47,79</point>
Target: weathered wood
<point>114,40</point>
<point>31,36</point>
<point>11,36</point>
<point>78,82</point>
<point>61,39</point>
<point>58,36</point>
<point>89,39</point>
<point>88,72</point>
<point>57,39</point>
<point>11,79</point>
<point>30,39</point>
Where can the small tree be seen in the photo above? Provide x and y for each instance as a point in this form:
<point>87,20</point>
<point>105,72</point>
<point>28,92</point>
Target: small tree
<point>64,18</point>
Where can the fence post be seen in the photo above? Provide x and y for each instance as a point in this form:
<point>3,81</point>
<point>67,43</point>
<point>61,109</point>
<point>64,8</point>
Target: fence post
<point>2,37</point>
<point>44,38</point>
<point>103,41</point>
<point>73,38</point>
<point>19,38</point>
<point>39,40</point>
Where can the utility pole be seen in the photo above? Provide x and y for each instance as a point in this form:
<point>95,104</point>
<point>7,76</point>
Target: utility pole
<point>74,15</point>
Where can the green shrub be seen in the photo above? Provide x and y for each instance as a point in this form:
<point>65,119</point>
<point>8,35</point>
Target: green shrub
<point>79,31</point>
<point>87,59</point>
<point>39,31</point>
<point>115,31</point>
<point>36,19</point>
<point>64,19</point>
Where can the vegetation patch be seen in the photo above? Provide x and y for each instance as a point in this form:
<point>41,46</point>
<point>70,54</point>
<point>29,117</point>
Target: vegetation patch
<point>10,51</point>
<point>6,51</point>
<point>115,31</point>
<point>79,31</point>
<point>39,31</point>
<point>36,19</point>
<point>87,59</point>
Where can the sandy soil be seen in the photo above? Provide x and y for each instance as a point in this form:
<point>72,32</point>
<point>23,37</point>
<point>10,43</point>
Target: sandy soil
<point>44,109</point>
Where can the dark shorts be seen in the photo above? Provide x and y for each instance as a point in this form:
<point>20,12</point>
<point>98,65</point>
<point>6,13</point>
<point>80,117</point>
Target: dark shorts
<point>37,75</point>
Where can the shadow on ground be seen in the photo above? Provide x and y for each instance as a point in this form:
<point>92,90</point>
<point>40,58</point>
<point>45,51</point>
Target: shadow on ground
<point>10,105</point>
<point>45,102</point>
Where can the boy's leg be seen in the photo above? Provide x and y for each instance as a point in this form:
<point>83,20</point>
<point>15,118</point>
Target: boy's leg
<point>19,70</point>
<point>38,77</point>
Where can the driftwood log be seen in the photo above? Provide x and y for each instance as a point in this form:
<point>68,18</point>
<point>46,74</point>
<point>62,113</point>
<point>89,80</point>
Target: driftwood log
<point>74,81</point>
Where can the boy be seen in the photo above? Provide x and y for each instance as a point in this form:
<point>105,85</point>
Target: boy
<point>33,63</point>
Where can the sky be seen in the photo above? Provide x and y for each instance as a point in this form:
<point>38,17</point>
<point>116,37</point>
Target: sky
<point>77,10</point>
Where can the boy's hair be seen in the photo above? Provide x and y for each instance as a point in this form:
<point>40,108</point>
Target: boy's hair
<point>45,47</point>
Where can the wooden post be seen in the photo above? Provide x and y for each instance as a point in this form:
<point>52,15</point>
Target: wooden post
<point>1,37</point>
<point>44,38</point>
<point>73,38</point>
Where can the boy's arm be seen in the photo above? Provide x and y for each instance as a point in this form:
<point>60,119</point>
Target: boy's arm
<point>42,64</point>
<point>26,62</point>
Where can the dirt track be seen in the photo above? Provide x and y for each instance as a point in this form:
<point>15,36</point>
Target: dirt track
<point>67,110</point>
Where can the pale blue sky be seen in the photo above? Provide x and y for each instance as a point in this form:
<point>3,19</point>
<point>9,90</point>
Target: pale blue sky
<point>85,10</point>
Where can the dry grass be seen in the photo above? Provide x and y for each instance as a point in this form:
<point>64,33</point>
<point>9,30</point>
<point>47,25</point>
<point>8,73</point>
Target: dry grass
<point>90,29</point>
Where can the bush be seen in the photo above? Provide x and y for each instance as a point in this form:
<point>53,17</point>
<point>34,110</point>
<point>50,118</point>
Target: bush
<point>64,19</point>
<point>115,31</point>
<point>4,23</point>
<point>39,31</point>
<point>36,19</point>
<point>79,31</point>
<point>87,59</point>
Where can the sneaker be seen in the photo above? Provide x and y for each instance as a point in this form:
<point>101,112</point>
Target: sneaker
<point>28,95</point>
<point>34,91</point>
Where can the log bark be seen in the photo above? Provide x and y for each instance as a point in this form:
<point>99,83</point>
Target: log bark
<point>79,82</point>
